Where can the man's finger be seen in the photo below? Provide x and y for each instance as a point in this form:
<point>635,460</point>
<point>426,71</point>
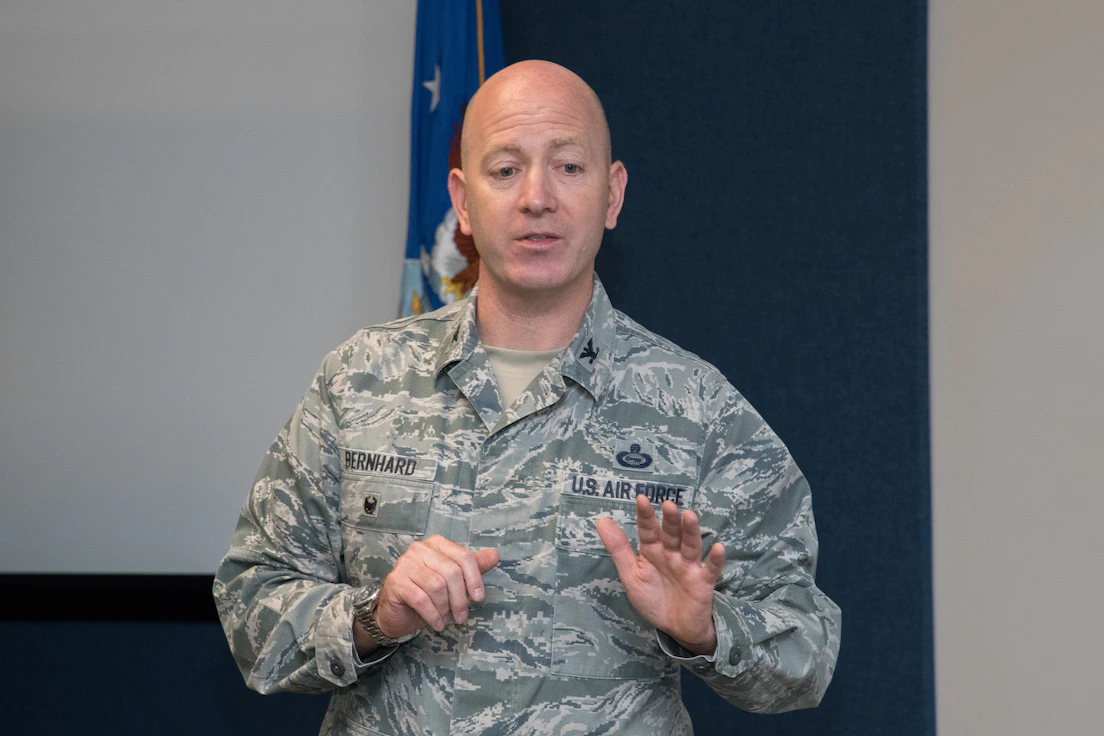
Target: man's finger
<point>443,577</point>
<point>436,586</point>
<point>714,563</point>
<point>485,559</point>
<point>618,545</point>
<point>691,546</point>
<point>672,527</point>
<point>472,580</point>
<point>413,597</point>
<point>646,522</point>
<point>457,587</point>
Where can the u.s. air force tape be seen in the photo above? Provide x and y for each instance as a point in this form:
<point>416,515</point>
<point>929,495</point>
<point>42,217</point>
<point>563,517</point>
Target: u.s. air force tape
<point>626,490</point>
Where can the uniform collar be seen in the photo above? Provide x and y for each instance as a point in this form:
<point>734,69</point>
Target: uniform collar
<point>587,360</point>
<point>461,336</point>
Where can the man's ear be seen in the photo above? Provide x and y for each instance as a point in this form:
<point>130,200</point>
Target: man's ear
<point>458,193</point>
<point>618,180</point>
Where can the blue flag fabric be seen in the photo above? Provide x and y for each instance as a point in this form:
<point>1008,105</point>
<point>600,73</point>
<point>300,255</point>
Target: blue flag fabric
<point>459,44</point>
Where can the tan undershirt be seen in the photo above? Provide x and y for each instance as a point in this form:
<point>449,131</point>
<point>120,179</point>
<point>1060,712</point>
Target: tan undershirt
<point>515,369</point>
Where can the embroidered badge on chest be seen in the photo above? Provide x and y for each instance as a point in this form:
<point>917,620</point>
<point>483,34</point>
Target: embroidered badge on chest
<point>371,505</point>
<point>634,458</point>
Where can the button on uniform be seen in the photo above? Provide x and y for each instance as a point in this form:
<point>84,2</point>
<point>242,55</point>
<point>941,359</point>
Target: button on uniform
<point>337,668</point>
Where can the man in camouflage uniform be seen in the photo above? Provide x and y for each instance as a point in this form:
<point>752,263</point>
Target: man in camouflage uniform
<point>549,540</point>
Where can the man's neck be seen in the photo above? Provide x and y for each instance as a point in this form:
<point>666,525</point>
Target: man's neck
<point>531,321</point>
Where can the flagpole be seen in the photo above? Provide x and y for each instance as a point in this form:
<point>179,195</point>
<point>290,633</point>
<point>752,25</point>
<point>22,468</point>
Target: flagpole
<point>479,38</point>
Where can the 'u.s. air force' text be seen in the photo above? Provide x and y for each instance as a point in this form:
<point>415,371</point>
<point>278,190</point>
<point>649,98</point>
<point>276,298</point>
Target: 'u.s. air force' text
<point>586,485</point>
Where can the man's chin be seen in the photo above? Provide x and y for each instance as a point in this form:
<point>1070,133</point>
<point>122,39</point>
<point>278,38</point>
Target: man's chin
<point>543,284</point>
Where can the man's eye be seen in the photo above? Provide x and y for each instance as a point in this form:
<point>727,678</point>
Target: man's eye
<point>571,168</point>
<point>505,172</point>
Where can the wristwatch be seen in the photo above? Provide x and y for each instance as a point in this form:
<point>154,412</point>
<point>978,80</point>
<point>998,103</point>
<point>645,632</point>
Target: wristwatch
<point>365,601</point>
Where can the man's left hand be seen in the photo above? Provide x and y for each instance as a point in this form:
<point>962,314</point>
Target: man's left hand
<point>667,583</point>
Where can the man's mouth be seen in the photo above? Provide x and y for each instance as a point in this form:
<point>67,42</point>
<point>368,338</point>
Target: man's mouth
<point>538,238</point>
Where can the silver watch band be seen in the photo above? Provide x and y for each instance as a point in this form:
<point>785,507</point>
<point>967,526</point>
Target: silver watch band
<point>364,608</point>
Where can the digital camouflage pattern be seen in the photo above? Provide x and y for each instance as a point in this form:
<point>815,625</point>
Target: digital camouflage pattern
<point>402,436</point>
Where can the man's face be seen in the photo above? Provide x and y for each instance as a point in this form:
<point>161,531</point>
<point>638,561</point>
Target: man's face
<point>537,190</point>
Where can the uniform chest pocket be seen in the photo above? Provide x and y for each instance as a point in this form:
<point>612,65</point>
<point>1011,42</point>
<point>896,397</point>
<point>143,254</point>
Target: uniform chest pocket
<point>386,504</point>
<point>380,518</point>
<point>596,632</point>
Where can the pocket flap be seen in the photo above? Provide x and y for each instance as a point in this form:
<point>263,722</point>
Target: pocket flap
<point>386,505</point>
<point>575,528</point>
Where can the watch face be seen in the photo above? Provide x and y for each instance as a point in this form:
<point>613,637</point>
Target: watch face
<point>365,597</point>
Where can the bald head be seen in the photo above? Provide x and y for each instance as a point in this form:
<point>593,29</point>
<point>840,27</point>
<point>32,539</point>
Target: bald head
<point>534,84</point>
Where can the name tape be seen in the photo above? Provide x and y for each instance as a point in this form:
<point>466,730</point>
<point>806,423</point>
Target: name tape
<point>381,463</point>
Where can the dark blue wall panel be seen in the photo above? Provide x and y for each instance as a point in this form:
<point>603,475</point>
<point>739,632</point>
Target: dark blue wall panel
<point>136,679</point>
<point>775,223</point>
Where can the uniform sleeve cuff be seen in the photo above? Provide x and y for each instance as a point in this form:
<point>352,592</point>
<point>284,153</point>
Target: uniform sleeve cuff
<point>335,651</point>
<point>734,653</point>
<point>679,653</point>
<point>377,657</point>
<point>736,649</point>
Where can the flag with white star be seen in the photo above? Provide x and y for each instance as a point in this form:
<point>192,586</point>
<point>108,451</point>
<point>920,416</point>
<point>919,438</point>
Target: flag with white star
<point>459,44</point>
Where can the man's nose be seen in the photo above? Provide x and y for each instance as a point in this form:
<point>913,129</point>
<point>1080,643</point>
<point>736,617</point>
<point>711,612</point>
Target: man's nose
<point>537,195</point>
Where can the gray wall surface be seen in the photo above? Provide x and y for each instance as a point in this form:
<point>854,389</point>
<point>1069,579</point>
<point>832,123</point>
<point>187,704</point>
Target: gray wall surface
<point>1017,363</point>
<point>197,202</point>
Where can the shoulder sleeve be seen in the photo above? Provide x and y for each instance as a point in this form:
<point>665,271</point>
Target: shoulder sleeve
<point>284,607</point>
<point>778,634</point>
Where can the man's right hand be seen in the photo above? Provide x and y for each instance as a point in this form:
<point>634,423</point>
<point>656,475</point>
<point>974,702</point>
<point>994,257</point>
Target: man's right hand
<point>430,585</point>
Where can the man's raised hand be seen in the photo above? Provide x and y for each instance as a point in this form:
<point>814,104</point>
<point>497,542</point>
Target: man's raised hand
<point>667,583</point>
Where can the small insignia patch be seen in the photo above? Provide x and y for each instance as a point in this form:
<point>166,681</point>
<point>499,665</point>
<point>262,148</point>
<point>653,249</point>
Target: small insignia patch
<point>634,458</point>
<point>371,505</point>
<point>589,351</point>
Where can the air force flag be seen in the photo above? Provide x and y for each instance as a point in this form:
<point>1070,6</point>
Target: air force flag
<point>459,44</point>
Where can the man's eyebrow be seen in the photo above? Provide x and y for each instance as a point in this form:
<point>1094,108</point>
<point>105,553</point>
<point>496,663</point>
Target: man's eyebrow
<point>511,148</point>
<point>515,150</point>
<point>558,143</point>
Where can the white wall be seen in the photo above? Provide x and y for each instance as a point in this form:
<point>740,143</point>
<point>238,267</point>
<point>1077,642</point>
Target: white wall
<point>197,201</point>
<point>1017,364</point>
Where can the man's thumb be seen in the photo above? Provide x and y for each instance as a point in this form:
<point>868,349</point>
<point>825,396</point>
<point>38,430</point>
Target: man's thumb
<point>486,559</point>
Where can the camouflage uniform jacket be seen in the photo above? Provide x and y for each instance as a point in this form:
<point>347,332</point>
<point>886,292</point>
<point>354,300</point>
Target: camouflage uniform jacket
<point>402,435</point>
